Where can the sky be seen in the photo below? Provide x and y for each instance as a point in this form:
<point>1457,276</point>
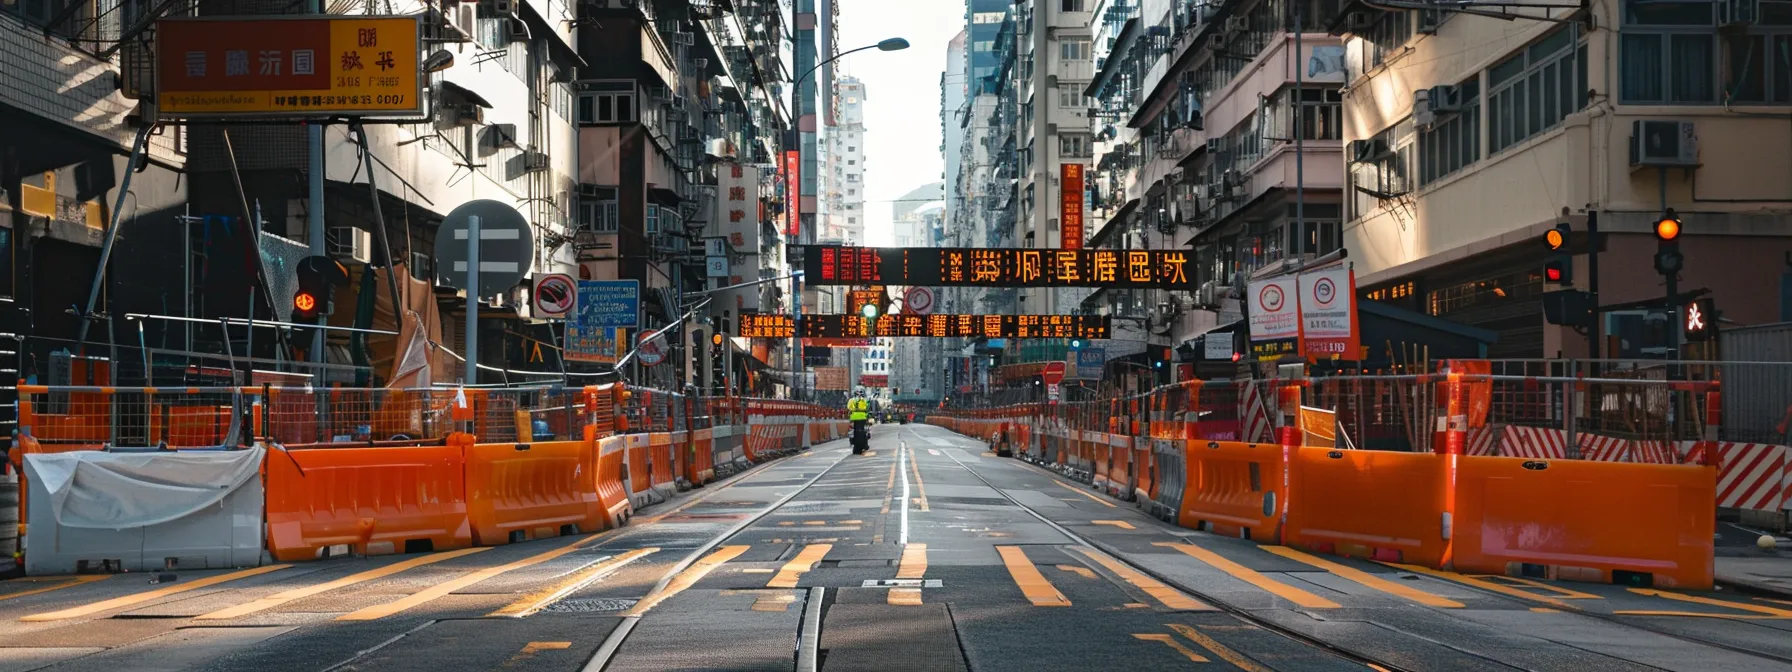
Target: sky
<point>902,119</point>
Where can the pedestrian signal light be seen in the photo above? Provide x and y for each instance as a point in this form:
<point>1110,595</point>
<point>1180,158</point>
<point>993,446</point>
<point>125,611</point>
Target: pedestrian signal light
<point>1556,238</point>
<point>1559,268</point>
<point>1553,272</point>
<point>317,278</point>
<point>304,305</point>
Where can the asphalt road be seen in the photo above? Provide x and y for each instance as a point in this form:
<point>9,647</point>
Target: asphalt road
<point>929,553</point>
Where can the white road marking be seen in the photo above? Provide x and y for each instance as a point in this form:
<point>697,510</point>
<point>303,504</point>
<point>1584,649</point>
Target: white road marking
<point>902,468</point>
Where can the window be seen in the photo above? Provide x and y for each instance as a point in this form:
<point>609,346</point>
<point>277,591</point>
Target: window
<point>653,219</point>
<point>852,162</point>
<point>850,192</point>
<point>852,220</point>
<point>607,107</point>
<point>1322,114</point>
<point>851,148</point>
<point>1074,50</point>
<point>1455,142</point>
<point>1534,89</point>
<point>1380,168</point>
<point>1668,53</point>
<point>1071,98</point>
<point>597,210</point>
<point>1071,6</point>
<point>1075,146</point>
<point>1389,35</point>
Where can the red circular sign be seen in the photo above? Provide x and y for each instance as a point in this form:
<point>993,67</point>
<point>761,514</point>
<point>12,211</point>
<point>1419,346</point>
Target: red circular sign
<point>554,295</point>
<point>1325,291</point>
<point>1270,298</point>
<point>649,351</point>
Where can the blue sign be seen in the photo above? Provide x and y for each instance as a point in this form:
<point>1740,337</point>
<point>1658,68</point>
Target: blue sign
<point>1089,364</point>
<point>608,303</point>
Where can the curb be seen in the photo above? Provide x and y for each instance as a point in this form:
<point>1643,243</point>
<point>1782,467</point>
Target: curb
<point>1754,588</point>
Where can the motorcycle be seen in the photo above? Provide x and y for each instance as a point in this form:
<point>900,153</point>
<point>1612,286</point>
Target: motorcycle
<point>861,437</point>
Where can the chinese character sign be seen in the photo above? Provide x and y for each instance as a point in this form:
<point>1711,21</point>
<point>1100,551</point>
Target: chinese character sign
<point>793,193</point>
<point>1274,317</point>
<point>602,312</point>
<point>737,206</point>
<point>1000,267</point>
<point>1328,314</point>
<point>1070,211</point>
<point>288,67</point>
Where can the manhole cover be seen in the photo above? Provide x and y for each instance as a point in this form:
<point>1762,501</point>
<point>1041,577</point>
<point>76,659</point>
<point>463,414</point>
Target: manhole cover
<point>591,605</point>
<point>902,583</point>
<point>805,508</point>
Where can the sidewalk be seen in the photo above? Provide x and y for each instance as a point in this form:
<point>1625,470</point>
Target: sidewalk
<point>1748,569</point>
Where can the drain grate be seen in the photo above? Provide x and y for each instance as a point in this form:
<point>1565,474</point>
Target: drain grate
<point>590,605</point>
<point>902,583</point>
<point>973,501</point>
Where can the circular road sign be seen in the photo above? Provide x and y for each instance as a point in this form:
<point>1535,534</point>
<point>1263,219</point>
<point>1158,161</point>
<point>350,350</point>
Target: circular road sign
<point>554,295</point>
<point>649,350</point>
<point>506,246</point>
<point>918,300</point>
<point>1270,298</point>
<point>1325,291</point>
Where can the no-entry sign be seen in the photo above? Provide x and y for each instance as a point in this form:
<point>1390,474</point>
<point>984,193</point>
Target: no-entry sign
<point>554,295</point>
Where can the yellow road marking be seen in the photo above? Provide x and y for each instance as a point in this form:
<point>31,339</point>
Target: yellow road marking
<point>1561,592</point>
<point>1545,610</point>
<point>787,523</point>
<point>1486,585</point>
<point>921,488</point>
<point>803,562</point>
<point>1034,585</point>
<point>540,599</point>
<point>128,600</point>
<point>815,522</point>
<point>914,562</point>
<point>1235,658</point>
<point>1250,576</point>
<point>283,597</point>
<point>1770,611</point>
<point>1695,614</point>
<point>1764,599</point>
<point>1097,500</point>
<point>1116,523</point>
<point>1170,597</point>
<point>905,597</point>
<point>870,453</point>
<point>689,577</point>
<point>61,582</point>
<point>774,601</point>
<point>1171,642</point>
<point>1084,572</point>
<point>444,588</point>
<point>849,522</point>
<point>1366,578</point>
<point>532,648</point>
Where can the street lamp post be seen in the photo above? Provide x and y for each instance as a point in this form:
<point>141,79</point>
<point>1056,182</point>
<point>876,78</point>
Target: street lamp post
<point>795,210</point>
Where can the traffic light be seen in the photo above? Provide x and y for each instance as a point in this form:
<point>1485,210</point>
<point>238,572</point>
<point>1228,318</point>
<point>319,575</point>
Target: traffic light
<point>1698,318</point>
<point>317,279</point>
<point>1668,260</point>
<point>1076,344</point>
<point>1559,267</point>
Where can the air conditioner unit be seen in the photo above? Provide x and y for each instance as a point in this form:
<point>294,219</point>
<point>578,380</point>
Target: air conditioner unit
<point>1365,151</point>
<point>503,135</point>
<point>1446,98</point>
<point>1428,21</point>
<point>1232,178</point>
<point>1662,143</point>
<point>503,7</point>
<point>1423,117</point>
<point>534,161</point>
<point>347,242</point>
<point>1241,191</point>
<point>465,114</point>
<point>1208,294</point>
<point>1237,24</point>
<point>679,103</point>
<point>516,29</point>
<point>464,19</point>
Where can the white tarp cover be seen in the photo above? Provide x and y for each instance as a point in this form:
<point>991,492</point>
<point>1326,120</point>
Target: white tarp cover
<point>116,491</point>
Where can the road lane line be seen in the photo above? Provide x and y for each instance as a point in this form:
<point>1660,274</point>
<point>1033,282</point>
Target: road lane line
<point>914,562</point>
<point>901,461</point>
<point>61,582</point>
<point>687,578</point>
<point>803,562</point>
<point>1250,576</point>
<point>1115,523</point>
<point>1226,653</point>
<point>1486,585</point>
<point>1097,500</point>
<point>1078,570</point>
<point>1026,576</point>
<point>1561,592</point>
<point>532,648</point>
<point>1770,611</point>
<point>139,598</point>
<point>283,597</point>
<point>540,599</point>
<point>905,597</point>
<point>444,588</point>
<point>920,486</point>
<point>1171,642</point>
<point>1170,597</point>
<point>1365,578</point>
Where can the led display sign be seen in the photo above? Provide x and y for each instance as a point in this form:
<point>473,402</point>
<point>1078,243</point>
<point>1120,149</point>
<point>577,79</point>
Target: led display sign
<point>1010,267</point>
<point>928,326</point>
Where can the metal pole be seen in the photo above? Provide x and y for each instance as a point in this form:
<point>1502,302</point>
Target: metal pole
<point>99,272</point>
<point>1593,337</point>
<point>314,215</point>
<point>472,350</point>
<point>1300,118</point>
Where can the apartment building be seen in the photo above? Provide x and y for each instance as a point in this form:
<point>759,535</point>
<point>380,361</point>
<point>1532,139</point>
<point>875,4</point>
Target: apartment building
<point>1054,64</point>
<point>675,100</point>
<point>1468,136</point>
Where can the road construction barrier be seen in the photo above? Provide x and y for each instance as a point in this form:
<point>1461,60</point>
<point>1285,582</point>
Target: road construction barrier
<point>331,499</point>
<point>522,491</point>
<point>612,479</point>
<point>1635,524</point>
<point>1368,503</point>
<point>700,467</point>
<point>640,470</point>
<point>1233,489</point>
<point>139,512</point>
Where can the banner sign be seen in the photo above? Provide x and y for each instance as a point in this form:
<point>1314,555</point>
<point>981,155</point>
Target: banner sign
<point>288,66</point>
<point>1089,364</point>
<point>604,311</point>
<point>999,267</point>
<point>793,188</point>
<point>1328,321</point>
<point>1086,327</point>
<point>1070,205</point>
<point>830,378</point>
<point>874,380</point>
<point>1275,317</point>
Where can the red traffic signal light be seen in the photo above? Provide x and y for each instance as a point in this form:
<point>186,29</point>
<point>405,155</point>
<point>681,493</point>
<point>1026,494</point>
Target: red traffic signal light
<point>1667,229</point>
<point>305,305</point>
<point>1552,272</point>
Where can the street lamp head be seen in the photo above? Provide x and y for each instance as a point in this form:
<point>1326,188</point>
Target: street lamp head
<point>892,44</point>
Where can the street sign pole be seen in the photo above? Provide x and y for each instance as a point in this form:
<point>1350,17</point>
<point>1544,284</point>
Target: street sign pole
<point>472,350</point>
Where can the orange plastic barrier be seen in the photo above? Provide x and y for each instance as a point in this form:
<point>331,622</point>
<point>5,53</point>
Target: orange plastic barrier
<point>612,492</point>
<point>1383,505</point>
<point>375,500</point>
<point>664,468</point>
<point>1120,470</point>
<point>1591,521</point>
<point>701,466</point>
<point>1234,489</point>
<point>522,491</point>
<point>640,465</point>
